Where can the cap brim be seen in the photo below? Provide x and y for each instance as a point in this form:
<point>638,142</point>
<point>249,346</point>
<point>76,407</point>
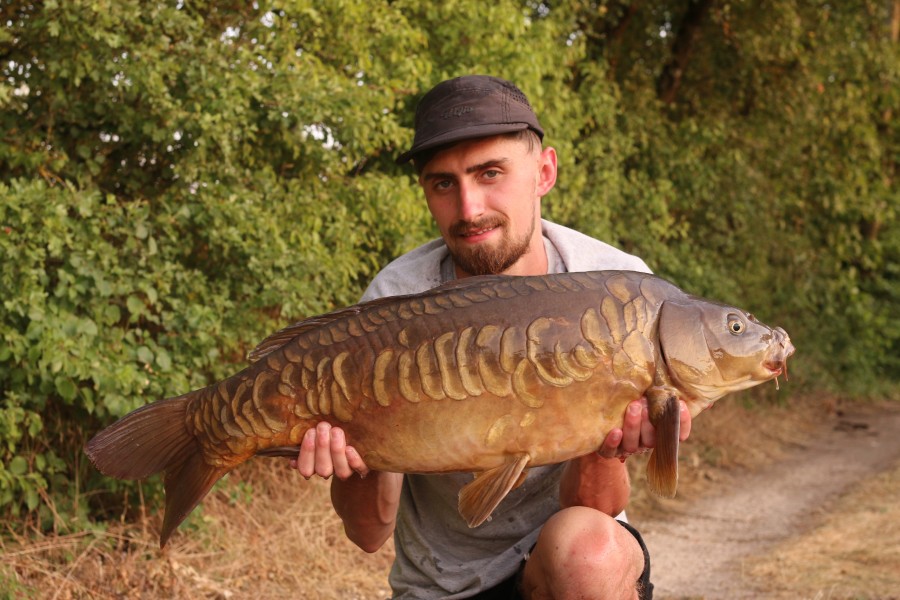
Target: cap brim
<point>458,135</point>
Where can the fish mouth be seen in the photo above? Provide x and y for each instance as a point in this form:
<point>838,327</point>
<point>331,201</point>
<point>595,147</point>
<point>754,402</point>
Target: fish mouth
<point>782,350</point>
<point>775,369</point>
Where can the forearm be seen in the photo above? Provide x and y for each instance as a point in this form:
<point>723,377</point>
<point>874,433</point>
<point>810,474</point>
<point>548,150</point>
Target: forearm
<point>368,507</point>
<point>597,482</point>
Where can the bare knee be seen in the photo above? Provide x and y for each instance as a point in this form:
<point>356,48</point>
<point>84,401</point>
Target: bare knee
<point>583,553</point>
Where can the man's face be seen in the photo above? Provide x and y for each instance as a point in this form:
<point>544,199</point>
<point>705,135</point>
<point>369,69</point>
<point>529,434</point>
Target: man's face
<point>485,197</point>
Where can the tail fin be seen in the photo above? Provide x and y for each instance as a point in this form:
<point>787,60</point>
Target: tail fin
<point>152,439</point>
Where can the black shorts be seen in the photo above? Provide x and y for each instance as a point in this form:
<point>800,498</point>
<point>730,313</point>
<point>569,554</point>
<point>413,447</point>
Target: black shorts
<point>509,588</point>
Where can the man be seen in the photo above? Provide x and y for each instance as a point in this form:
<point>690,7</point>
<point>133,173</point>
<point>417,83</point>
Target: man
<point>477,150</point>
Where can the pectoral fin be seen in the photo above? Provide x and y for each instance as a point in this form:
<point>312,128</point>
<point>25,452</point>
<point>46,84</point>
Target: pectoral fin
<point>278,451</point>
<point>479,498</point>
<point>662,469</point>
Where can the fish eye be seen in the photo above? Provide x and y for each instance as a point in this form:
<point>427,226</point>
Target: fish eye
<point>735,325</point>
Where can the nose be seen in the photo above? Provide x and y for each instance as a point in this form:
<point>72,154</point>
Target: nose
<point>471,201</point>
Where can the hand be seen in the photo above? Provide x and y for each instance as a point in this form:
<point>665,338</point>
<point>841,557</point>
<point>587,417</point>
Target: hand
<point>324,452</point>
<point>637,434</point>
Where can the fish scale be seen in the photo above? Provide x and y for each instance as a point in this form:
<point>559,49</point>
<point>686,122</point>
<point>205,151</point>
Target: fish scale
<point>491,375</point>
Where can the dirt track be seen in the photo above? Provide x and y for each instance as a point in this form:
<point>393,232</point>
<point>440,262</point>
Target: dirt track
<point>699,548</point>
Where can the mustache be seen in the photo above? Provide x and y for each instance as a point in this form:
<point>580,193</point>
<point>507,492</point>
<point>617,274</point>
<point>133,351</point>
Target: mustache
<point>467,227</point>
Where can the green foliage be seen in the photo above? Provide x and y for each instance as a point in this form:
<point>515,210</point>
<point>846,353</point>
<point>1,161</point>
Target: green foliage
<point>177,180</point>
<point>175,187</point>
<point>10,588</point>
<point>769,181</point>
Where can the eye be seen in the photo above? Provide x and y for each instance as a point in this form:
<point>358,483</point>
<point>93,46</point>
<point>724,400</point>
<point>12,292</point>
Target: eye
<point>491,174</point>
<point>735,325</point>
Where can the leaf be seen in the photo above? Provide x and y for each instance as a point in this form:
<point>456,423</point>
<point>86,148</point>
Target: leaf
<point>66,388</point>
<point>111,314</point>
<point>163,360</point>
<point>135,306</point>
<point>18,466</point>
<point>144,355</point>
<point>88,327</point>
<point>32,498</point>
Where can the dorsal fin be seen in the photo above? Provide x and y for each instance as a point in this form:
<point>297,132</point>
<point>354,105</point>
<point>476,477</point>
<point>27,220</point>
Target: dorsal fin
<point>279,339</point>
<point>467,282</point>
<point>283,336</point>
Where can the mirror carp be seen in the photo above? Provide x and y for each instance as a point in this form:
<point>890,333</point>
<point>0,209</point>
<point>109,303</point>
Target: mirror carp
<point>490,375</point>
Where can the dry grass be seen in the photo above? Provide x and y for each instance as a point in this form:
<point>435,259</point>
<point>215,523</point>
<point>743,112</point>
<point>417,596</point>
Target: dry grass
<point>853,554</point>
<point>267,533</point>
<point>286,541</point>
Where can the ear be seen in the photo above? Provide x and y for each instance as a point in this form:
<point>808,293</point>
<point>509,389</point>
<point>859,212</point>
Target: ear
<point>547,171</point>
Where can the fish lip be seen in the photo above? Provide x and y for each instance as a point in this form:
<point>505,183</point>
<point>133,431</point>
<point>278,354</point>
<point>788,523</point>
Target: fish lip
<point>777,364</point>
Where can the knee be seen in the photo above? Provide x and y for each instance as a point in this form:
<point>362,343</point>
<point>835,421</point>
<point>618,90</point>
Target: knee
<point>586,553</point>
<point>583,535</point>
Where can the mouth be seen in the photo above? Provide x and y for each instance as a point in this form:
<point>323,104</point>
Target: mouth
<point>478,235</point>
<point>475,232</point>
<point>778,364</point>
<point>776,369</point>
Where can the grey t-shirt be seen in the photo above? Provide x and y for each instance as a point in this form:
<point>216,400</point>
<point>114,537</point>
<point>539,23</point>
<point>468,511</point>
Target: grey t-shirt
<point>438,555</point>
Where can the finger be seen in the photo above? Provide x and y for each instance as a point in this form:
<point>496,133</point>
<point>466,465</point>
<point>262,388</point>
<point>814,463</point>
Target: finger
<point>648,432</point>
<point>631,427</point>
<point>306,459</point>
<point>342,469</point>
<point>685,422</point>
<point>324,465</point>
<point>356,462</point>
<point>610,446</point>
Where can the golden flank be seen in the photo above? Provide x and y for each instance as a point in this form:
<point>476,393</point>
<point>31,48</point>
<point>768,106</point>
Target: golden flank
<point>490,375</point>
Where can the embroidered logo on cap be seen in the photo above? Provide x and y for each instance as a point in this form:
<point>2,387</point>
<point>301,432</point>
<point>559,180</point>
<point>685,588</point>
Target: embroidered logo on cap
<point>456,111</point>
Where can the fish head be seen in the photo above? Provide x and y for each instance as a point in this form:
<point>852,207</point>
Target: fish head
<point>712,349</point>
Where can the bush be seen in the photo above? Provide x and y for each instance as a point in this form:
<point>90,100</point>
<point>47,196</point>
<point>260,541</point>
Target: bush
<point>177,180</point>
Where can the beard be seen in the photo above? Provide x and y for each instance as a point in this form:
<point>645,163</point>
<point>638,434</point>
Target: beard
<point>484,259</point>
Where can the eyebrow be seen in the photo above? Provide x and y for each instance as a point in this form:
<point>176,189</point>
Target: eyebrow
<point>494,162</point>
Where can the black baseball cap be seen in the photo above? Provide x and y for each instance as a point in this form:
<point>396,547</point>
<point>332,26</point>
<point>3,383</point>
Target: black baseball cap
<point>469,107</point>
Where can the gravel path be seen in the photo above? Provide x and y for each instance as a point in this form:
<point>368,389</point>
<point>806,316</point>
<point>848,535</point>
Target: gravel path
<point>697,551</point>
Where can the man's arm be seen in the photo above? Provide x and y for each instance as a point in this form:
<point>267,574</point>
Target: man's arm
<point>600,480</point>
<point>366,501</point>
<point>368,507</point>
<point>597,482</point>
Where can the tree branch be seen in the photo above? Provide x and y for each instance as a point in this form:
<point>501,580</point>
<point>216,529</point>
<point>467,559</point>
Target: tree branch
<point>670,79</point>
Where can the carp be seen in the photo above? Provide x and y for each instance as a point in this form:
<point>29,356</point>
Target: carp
<point>490,375</point>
